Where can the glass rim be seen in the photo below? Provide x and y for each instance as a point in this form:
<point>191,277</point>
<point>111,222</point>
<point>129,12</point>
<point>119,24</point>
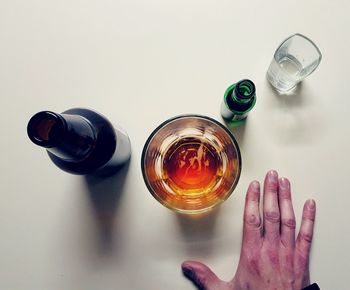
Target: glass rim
<point>182,116</point>
<point>304,37</point>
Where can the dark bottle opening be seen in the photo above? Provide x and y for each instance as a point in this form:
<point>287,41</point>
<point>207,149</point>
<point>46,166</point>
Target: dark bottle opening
<point>242,96</point>
<point>44,128</point>
<point>70,137</point>
<point>245,89</point>
<point>79,140</point>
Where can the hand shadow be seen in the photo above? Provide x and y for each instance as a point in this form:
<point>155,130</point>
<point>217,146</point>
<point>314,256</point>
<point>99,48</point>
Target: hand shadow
<point>104,194</point>
<point>198,231</point>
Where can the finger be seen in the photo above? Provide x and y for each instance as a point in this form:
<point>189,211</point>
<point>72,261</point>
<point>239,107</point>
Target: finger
<point>252,221</point>
<point>200,275</point>
<point>270,208</point>
<point>287,213</point>
<point>303,243</point>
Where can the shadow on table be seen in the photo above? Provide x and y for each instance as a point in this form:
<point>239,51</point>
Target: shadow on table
<point>292,98</point>
<point>198,231</point>
<point>104,194</point>
<point>298,117</point>
<point>237,129</point>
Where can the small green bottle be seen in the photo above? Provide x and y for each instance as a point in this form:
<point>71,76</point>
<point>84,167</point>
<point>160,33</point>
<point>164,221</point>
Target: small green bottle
<point>239,99</point>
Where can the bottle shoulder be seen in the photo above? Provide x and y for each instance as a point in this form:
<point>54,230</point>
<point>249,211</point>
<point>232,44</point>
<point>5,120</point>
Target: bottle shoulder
<point>104,147</point>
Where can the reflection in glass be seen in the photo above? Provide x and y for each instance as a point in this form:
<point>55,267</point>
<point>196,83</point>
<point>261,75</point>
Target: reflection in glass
<point>191,163</point>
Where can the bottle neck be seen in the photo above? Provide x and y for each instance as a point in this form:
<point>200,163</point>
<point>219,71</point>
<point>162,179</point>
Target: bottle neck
<point>242,96</point>
<point>69,137</point>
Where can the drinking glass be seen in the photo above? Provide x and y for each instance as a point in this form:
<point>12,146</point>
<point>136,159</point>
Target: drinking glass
<point>191,163</point>
<point>295,59</point>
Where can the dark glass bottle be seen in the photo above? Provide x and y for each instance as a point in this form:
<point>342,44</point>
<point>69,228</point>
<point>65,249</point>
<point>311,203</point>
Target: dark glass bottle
<point>80,141</point>
<point>239,99</point>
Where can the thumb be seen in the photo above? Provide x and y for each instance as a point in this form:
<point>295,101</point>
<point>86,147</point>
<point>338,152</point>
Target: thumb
<point>200,275</point>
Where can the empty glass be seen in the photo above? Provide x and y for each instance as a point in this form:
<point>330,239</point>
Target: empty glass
<point>293,61</point>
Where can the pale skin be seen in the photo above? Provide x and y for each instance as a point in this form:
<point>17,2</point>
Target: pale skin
<point>272,256</point>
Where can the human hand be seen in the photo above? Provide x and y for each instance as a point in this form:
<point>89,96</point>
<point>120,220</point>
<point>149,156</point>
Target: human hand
<point>271,257</point>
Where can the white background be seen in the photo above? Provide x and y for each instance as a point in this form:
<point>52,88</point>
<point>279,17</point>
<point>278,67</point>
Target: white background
<point>140,62</point>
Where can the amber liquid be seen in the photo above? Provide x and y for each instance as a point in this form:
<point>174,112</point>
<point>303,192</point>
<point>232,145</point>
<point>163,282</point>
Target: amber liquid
<point>192,166</point>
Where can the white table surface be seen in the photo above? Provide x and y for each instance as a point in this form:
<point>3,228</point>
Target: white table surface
<point>139,63</point>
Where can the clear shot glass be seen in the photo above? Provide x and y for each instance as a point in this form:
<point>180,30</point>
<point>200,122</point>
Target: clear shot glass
<point>191,163</point>
<point>295,59</point>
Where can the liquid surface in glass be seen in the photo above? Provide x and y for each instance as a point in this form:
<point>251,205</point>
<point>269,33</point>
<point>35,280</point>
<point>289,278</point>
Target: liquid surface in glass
<point>191,165</point>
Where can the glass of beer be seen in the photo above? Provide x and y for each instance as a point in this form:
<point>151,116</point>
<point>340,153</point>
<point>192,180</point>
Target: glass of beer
<point>191,163</point>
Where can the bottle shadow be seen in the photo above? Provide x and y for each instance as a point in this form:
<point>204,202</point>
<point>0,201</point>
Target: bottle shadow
<point>237,129</point>
<point>198,231</point>
<point>104,194</point>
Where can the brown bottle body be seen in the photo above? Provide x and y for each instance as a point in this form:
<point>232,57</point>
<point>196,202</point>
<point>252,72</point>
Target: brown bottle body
<point>80,141</point>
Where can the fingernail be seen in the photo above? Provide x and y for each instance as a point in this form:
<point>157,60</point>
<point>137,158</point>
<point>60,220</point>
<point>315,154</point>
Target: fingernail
<point>284,183</point>
<point>272,175</point>
<point>255,184</point>
<point>311,204</point>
